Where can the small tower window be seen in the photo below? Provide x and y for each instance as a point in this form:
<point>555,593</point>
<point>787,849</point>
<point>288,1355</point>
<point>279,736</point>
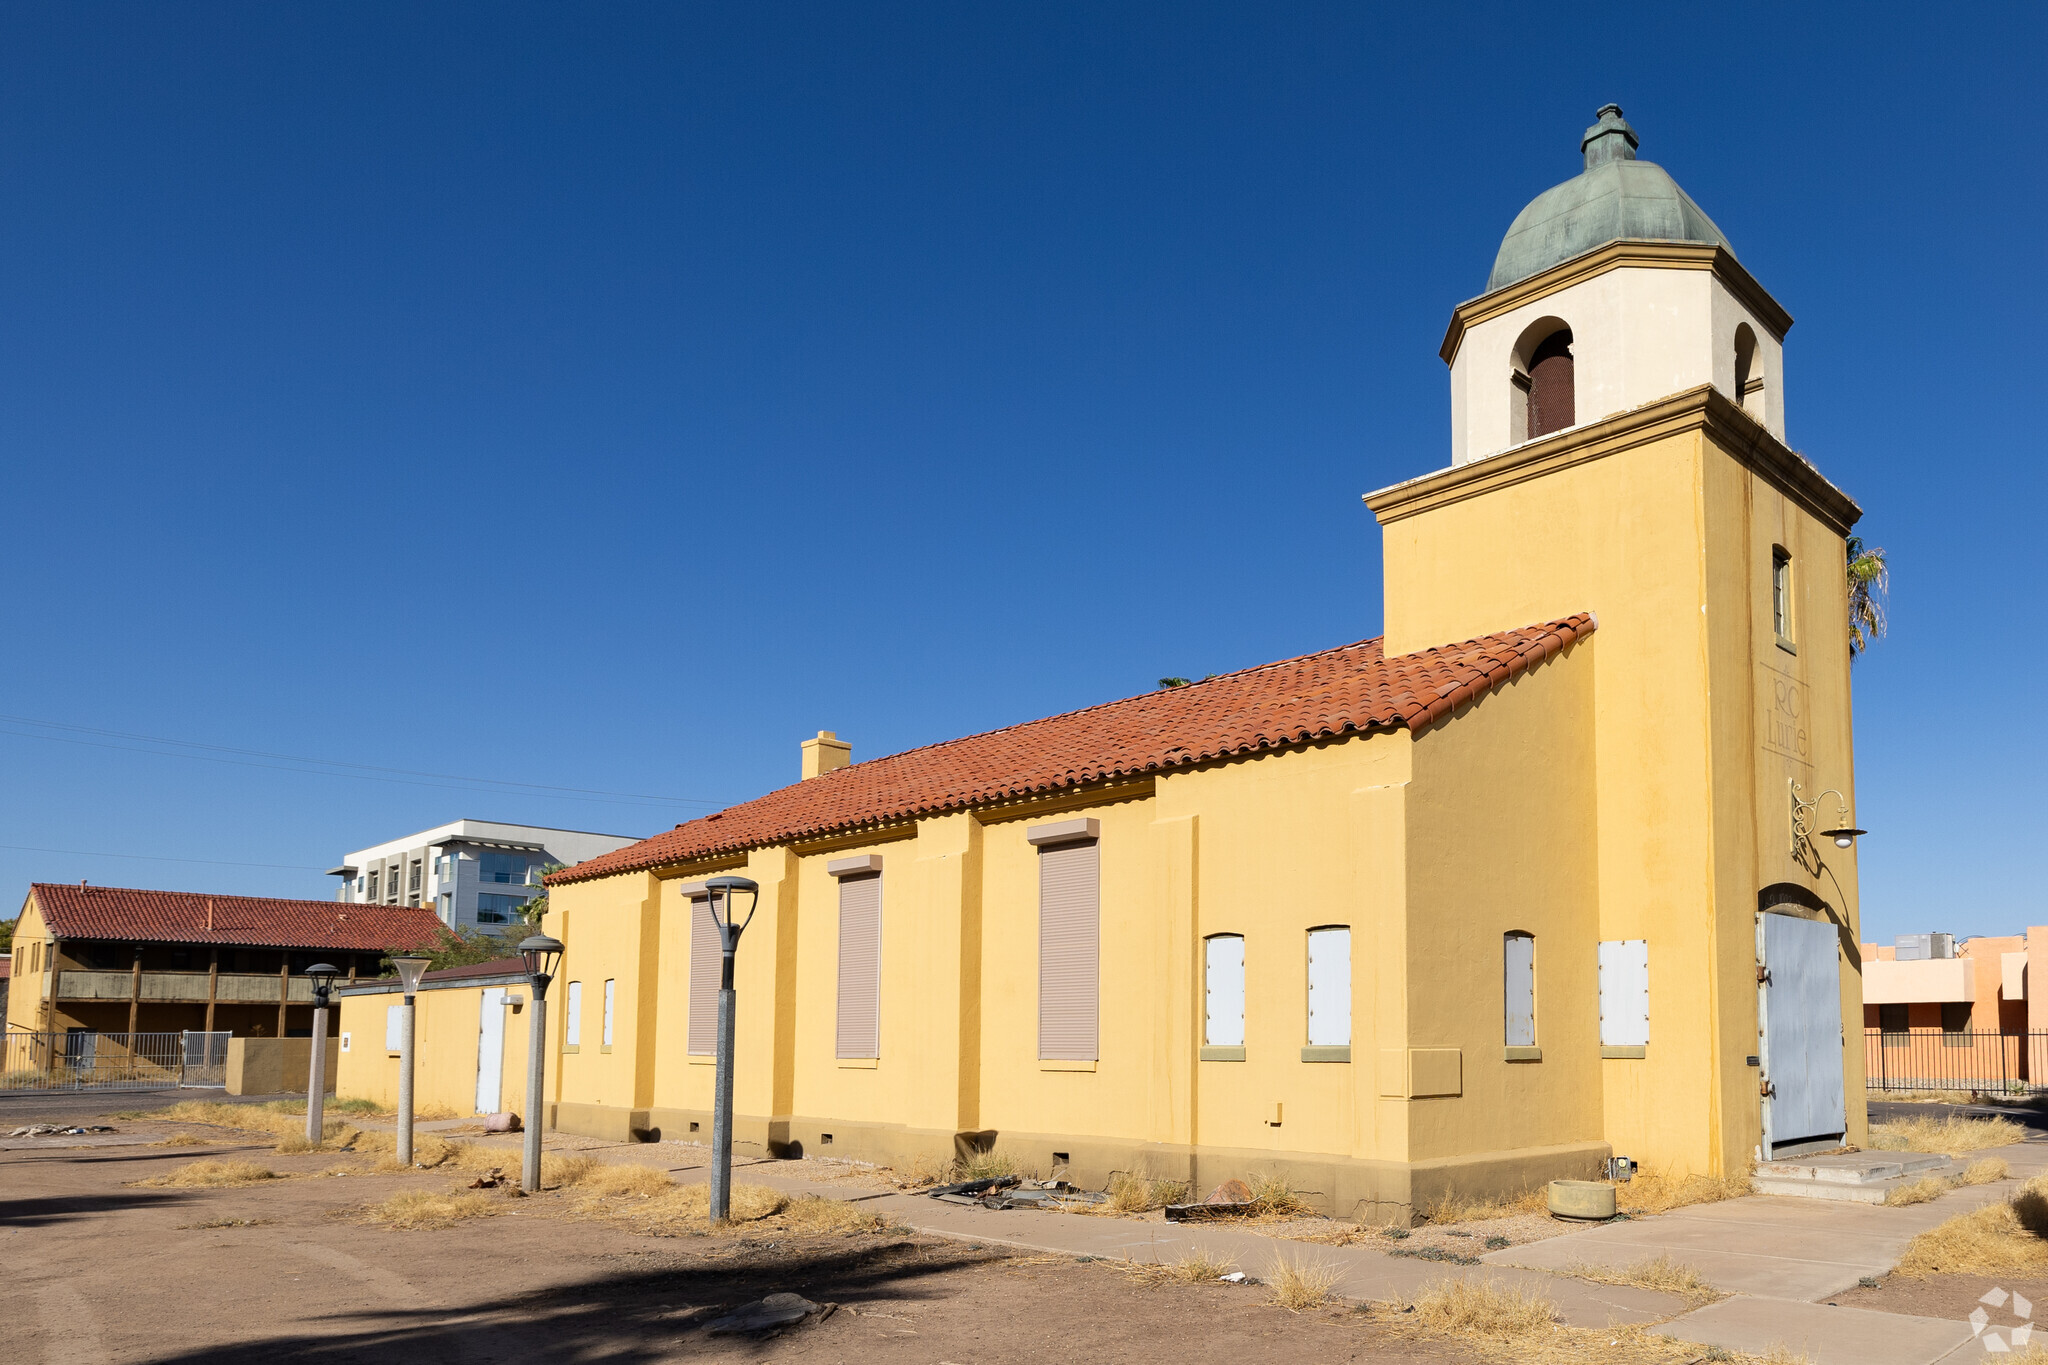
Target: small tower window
<point>1550,385</point>
<point>1749,380</point>
<point>1781,594</point>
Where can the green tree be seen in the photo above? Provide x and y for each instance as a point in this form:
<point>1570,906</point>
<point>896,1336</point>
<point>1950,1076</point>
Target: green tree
<point>1869,582</point>
<point>462,948</point>
<point>7,935</point>
<point>531,912</point>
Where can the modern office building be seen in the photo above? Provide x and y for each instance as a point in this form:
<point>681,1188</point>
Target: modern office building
<point>469,872</point>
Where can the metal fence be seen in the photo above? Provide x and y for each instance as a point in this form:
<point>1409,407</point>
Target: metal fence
<point>82,1060</point>
<point>1964,1060</point>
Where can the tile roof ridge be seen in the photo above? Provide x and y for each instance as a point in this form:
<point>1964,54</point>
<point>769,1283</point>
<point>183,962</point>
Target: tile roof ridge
<point>1042,720</point>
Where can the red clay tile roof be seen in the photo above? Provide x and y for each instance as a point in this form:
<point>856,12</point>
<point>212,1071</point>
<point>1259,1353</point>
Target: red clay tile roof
<point>1350,689</point>
<point>112,912</point>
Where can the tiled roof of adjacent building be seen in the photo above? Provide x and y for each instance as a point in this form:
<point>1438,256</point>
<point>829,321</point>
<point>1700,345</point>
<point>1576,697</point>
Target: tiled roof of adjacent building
<point>1350,689</point>
<point>113,912</point>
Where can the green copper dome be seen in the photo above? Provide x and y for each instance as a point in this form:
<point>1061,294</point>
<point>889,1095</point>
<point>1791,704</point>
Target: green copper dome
<point>1616,198</point>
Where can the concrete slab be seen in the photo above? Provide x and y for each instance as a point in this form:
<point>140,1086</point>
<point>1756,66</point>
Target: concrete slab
<point>1828,1336</point>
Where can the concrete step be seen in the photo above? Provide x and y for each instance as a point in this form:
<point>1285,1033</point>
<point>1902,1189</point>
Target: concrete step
<point>1855,1168</point>
<point>1857,1177</point>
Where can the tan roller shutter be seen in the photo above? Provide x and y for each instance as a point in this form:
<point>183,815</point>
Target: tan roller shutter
<point>704,958</point>
<point>860,965</point>
<point>1068,952</point>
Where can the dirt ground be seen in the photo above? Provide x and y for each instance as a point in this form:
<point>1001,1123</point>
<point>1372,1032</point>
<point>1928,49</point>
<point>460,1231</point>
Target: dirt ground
<point>102,1269</point>
<point>1952,1296</point>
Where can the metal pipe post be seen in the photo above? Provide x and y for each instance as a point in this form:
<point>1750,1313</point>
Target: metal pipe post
<point>316,1082</point>
<point>721,1110</point>
<point>405,1083</point>
<point>536,1067</point>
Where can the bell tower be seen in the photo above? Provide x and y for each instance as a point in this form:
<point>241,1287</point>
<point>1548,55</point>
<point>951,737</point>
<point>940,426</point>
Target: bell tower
<point>1610,290</point>
<point>1618,418</point>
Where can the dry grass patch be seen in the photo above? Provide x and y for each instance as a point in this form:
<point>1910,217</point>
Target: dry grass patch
<point>1662,1191</point>
<point>276,1118</point>
<point>615,1182</point>
<point>1996,1239</point>
<point>685,1210</point>
<point>213,1174</point>
<point>1303,1284</point>
<point>1952,1136</point>
<point>1200,1266</point>
<point>1922,1191</point>
<point>179,1140</point>
<point>1661,1273</point>
<point>423,1209</point>
<point>1462,1208</point>
<point>816,1214</point>
<point>924,1170</point>
<point>989,1165</point>
<point>1273,1196</point>
<point>1985,1171</point>
<point>1483,1308</point>
<point>1497,1321</point>
<point>1135,1194</point>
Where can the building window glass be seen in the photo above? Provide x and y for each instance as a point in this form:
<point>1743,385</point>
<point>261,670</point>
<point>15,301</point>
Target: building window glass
<point>1781,593</point>
<point>1518,961</point>
<point>495,909</point>
<point>1892,1021</point>
<point>372,893</point>
<point>1329,986</point>
<point>507,868</point>
<point>608,995</point>
<point>413,879</point>
<point>572,1022</point>
<point>1223,990</point>
<point>1955,1025</point>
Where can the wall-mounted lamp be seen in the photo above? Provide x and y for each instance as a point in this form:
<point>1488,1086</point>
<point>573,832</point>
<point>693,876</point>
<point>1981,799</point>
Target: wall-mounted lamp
<point>1844,834</point>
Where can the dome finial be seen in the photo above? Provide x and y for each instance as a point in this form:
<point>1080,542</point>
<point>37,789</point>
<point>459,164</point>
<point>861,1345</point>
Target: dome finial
<point>1611,139</point>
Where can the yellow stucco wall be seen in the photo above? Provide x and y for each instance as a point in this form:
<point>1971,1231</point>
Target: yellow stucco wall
<point>1667,538</point>
<point>446,1038</point>
<point>25,988</point>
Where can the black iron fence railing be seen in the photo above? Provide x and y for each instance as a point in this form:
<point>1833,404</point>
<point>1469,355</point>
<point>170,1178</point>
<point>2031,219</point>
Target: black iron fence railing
<point>1938,1059</point>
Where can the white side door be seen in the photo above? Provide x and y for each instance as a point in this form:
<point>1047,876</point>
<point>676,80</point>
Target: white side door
<point>1799,1003</point>
<point>490,1050</point>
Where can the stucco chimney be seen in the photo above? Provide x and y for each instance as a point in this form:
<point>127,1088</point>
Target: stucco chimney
<point>827,753</point>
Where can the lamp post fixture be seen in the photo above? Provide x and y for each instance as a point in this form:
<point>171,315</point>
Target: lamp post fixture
<point>323,975</point>
<point>722,892</point>
<point>543,956</point>
<point>1844,834</point>
<point>411,966</point>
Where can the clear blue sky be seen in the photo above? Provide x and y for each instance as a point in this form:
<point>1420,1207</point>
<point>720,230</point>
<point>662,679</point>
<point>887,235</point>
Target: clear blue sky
<point>608,396</point>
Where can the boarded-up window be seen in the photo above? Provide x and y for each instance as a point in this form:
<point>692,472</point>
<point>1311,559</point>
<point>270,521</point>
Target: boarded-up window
<point>572,1029</point>
<point>1892,1019</point>
<point>1625,993</point>
<point>1329,987</point>
<point>608,993</point>
<point>1069,951</point>
<point>860,965</point>
<point>1518,1004</point>
<point>1955,1025</point>
<point>704,974</point>
<point>394,1028</point>
<point>1223,990</point>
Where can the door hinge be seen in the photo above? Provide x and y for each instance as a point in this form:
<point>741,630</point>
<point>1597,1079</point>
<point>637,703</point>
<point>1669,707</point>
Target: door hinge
<point>1765,1089</point>
<point>1763,976</point>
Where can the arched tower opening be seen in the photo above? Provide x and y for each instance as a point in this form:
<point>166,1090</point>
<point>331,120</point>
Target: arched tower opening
<point>1749,374</point>
<point>1543,397</point>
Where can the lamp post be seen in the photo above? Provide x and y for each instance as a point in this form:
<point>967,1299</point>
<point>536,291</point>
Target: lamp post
<point>323,975</point>
<point>543,956</point>
<point>411,966</point>
<point>721,892</point>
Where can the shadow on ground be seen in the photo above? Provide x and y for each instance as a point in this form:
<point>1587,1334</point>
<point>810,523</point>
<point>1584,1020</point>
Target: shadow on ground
<point>621,1319</point>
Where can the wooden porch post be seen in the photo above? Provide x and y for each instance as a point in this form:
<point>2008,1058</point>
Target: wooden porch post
<point>284,987</point>
<point>134,996</point>
<point>212,986</point>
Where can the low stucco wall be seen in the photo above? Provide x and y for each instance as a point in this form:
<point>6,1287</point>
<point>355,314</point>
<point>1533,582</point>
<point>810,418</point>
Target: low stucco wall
<point>446,1037</point>
<point>275,1066</point>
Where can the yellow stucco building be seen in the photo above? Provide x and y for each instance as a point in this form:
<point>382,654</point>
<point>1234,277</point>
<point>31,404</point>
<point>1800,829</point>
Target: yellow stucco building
<point>1531,881</point>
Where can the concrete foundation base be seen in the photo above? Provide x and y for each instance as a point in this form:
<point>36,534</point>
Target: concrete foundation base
<point>1385,1192</point>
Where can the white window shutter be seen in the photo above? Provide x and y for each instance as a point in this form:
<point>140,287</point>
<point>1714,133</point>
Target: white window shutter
<point>1518,963</point>
<point>1224,990</point>
<point>394,1028</point>
<point>1625,993</point>
<point>609,987</point>
<point>705,952</point>
<point>860,966</point>
<point>572,1028</point>
<point>1329,987</point>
